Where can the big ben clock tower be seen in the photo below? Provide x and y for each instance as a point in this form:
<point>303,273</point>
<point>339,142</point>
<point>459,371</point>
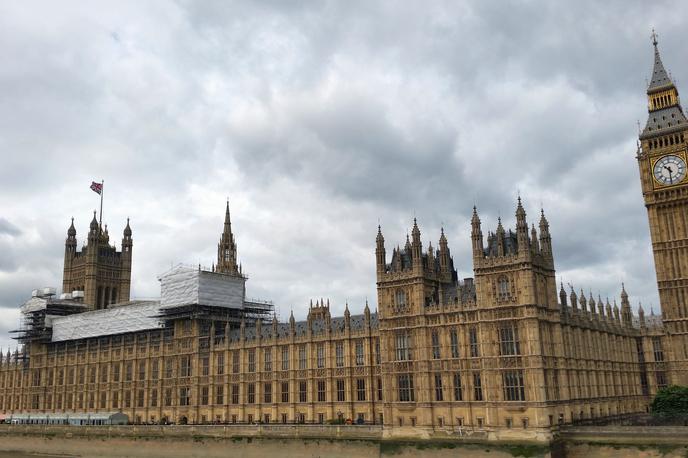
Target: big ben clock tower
<point>662,160</point>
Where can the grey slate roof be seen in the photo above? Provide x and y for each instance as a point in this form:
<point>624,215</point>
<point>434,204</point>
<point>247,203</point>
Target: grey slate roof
<point>510,243</point>
<point>660,78</point>
<point>664,121</point>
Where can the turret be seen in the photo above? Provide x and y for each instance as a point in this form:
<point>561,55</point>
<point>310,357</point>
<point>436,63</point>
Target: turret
<point>534,244</point>
<point>444,251</point>
<point>522,230</point>
<point>347,317</point>
<point>563,299</point>
<point>416,246</point>
<point>500,237</point>
<point>476,236</point>
<point>574,300</point>
<point>431,258</point>
<point>626,314</point>
<point>545,238</point>
<point>127,253</point>
<point>583,302</point>
<point>380,254</point>
<point>641,315</point>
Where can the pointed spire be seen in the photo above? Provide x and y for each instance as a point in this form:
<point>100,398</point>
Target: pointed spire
<point>94,223</point>
<point>127,229</point>
<point>660,78</point>
<point>583,301</point>
<point>227,248</point>
<point>626,313</point>
<point>379,239</point>
<point>380,253</point>
<point>641,315</point>
<point>71,232</point>
<point>562,296</point>
<point>574,299</point>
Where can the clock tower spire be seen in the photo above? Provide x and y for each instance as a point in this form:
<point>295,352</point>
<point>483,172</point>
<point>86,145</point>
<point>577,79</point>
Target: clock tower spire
<point>662,161</point>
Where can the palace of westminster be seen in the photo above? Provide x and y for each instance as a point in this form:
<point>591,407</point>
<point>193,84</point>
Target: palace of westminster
<point>508,351</point>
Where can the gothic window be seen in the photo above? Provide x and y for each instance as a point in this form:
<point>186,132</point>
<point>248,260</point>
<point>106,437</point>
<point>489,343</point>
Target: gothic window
<point>402,347</point>
<point>267,359</point>
<point>657,349</point>
<point>252,360</point>
<point>285,391</point>
<point>454,341</point>
<point>514,389</point>
<point>503,288</point>
<point>285,358</point>
<point>473,337</point>
<point>227,254</point>
<point>321,390</point>
<point>267,393</point>
<point>220,364</point>
<point>360,389</point>
<point>341,396</point>
<point>458,391</point>
<point>400,298</point>
<point>508,340</point>
<point>439,393</point>
<point>405,385</point>
<point>321,356</point>
<point>302,391</point>
<point>477,387</point>
<point>251,393</point>
<point>339,354</point>
<point>359,353</point>
<point>435,338</point>
<point>303,361</point>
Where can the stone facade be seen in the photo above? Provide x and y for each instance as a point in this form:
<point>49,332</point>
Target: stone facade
<point>506,352</point>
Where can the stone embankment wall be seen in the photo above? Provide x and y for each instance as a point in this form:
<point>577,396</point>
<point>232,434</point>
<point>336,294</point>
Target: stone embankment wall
<point>305,441</point>
<point>624,441</point>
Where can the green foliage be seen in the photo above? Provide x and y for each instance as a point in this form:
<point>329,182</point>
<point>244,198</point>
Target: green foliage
<point>671,402</point>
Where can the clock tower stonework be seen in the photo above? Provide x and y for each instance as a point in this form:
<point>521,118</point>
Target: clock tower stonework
<point>662,162</point>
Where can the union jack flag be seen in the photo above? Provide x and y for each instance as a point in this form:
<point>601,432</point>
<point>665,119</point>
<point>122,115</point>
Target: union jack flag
<point>97,187</point>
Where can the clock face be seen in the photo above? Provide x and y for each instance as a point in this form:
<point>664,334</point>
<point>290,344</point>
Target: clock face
<point>670,170</point>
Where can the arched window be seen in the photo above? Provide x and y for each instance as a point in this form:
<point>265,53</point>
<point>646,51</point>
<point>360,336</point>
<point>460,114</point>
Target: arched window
<point>503,287</point>
<point>400,298</point>
<point>227,254</point>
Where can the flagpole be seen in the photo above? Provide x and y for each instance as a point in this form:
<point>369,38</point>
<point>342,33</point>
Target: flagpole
<point>102,190</point>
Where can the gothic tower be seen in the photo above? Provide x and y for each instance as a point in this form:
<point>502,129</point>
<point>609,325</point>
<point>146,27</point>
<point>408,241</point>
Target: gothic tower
<point>227,249</point>
<point>662,161</point>
<point>99,271</point>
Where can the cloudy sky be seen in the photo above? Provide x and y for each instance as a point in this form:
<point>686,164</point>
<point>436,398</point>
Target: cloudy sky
<point>317,120</point>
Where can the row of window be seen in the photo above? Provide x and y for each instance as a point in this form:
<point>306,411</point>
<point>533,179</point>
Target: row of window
<point>507,336</point>
<point>512,383</point>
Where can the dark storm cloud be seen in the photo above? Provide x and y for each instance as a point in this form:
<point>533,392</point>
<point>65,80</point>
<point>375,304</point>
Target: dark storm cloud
<point>318,120</point>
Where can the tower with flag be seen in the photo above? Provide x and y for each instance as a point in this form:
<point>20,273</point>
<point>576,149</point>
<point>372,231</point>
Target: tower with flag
<point>98,271</point>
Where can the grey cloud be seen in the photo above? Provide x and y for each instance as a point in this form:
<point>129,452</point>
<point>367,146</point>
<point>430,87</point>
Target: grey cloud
<point>319,119</point>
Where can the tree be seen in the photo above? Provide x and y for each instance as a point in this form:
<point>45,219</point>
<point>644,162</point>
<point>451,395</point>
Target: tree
<point>671,402</point>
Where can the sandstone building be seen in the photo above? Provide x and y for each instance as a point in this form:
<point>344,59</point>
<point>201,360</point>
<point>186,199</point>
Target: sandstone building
<point>508,352</point>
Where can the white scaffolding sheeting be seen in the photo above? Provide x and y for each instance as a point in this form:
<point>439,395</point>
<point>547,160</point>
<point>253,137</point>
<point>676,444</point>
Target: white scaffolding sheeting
<point>34,304</point>
<point>138,316</point>
<point>188,286</point>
